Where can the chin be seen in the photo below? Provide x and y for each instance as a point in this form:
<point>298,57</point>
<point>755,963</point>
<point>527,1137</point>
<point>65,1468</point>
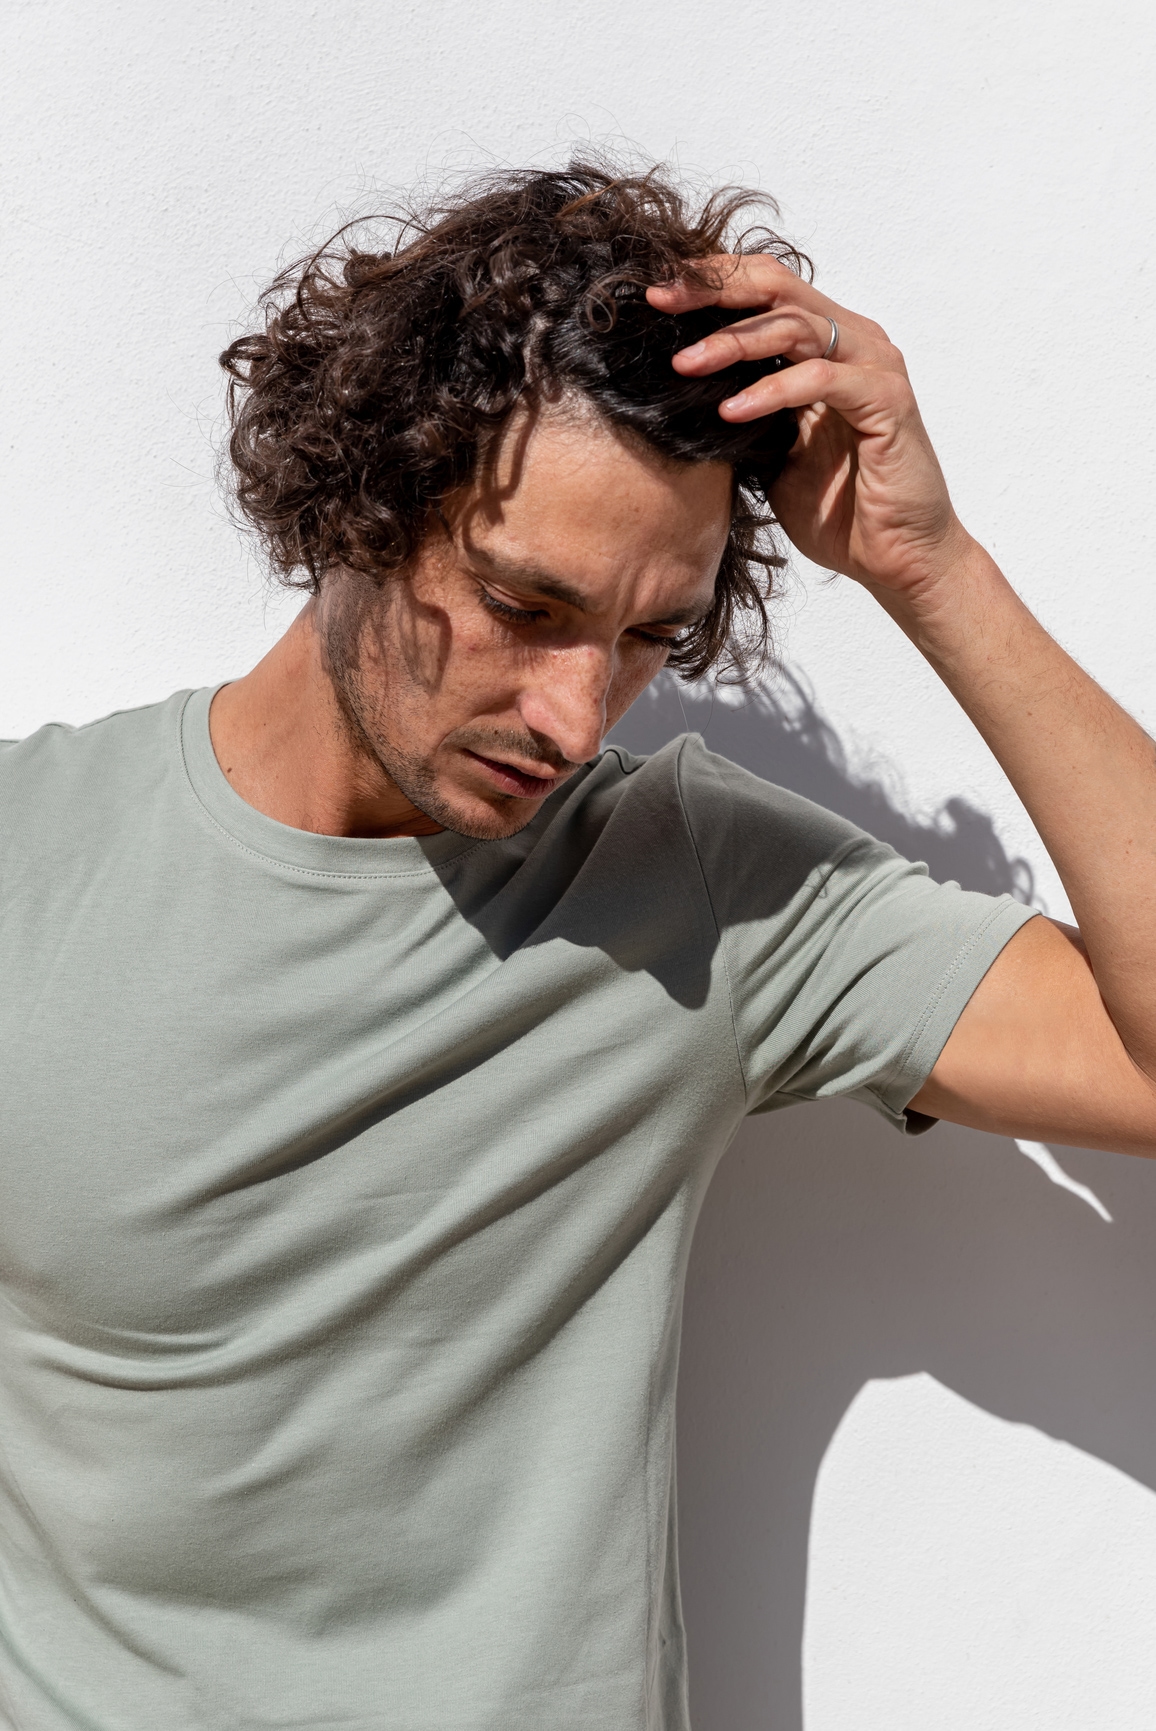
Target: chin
<point>478,819</point>
<point>481,822</point>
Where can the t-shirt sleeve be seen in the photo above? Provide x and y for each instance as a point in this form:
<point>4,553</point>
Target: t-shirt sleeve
<point>848,966</point>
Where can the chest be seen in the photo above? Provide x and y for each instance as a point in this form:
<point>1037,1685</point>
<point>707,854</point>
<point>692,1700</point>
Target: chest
<point>208,1089</point>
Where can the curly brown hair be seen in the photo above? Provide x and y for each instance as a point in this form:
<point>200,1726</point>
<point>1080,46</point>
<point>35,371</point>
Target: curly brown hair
<point>381,377</point>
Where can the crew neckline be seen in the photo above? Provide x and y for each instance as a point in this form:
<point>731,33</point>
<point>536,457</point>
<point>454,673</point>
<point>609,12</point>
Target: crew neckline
<point>343,856</point>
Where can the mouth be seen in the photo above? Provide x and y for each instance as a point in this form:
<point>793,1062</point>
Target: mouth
<point>509,780</point>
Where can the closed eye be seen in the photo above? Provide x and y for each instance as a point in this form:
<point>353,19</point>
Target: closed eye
<point>667,639</point>
<point>531,615</point>
<point>512,615</point>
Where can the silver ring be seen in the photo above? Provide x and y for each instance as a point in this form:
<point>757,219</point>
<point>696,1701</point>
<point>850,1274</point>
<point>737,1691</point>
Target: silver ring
<point>834,343</point>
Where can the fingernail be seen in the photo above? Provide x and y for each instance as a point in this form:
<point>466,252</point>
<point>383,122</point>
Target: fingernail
<point>739,402</point>
<point>694,353</point>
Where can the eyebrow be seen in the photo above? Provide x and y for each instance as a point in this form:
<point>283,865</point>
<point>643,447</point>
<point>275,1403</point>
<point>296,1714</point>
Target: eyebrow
<point>533,581</point>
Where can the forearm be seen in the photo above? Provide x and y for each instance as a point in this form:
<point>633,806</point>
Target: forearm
<point>1083,768</point>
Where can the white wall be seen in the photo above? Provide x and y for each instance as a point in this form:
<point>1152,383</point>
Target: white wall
<point>917,1445</point>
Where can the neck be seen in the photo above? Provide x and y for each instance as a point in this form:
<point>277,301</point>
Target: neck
<point>286,746</point>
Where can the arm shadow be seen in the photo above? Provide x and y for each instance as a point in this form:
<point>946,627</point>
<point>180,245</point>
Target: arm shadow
<point>831,1252</point>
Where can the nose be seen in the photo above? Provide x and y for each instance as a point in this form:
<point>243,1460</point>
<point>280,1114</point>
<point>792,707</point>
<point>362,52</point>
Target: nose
<point>565,699</point>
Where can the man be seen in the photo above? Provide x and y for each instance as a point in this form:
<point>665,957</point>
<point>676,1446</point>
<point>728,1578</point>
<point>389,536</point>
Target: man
<point>370,1036</point>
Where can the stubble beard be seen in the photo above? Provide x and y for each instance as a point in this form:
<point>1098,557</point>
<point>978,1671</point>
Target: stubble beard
<point>372,724</point>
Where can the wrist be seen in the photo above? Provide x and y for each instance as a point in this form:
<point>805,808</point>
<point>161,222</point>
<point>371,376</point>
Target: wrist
<point>958,578</point>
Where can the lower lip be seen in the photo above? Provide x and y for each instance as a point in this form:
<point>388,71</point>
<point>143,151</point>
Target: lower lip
<point>512,780</point>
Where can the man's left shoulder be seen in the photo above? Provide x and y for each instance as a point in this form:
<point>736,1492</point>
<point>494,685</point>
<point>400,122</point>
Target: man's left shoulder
<point>744,827</point>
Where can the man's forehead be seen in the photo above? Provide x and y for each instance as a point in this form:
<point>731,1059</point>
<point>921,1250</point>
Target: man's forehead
<point>571,437</point>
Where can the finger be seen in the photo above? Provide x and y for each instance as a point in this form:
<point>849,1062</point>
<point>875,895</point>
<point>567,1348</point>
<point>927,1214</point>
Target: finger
<point>763,281</point>
<point>727,280</point>
<point>741,280</point>
<point>868,398</point>
<point>793,333</point>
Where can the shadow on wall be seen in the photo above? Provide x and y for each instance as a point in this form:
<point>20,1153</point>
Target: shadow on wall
<point>831,1252</point>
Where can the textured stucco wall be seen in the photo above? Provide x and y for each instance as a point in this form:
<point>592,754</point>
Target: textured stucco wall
<point>917,1440</point>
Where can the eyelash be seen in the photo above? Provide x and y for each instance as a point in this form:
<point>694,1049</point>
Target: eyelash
<point>527,616</point>
<point>513,615</point>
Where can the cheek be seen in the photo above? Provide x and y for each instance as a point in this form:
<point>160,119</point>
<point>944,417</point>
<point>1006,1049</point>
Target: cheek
<point>468,670</point>
<point>437,651</point>
<point>633,673</point>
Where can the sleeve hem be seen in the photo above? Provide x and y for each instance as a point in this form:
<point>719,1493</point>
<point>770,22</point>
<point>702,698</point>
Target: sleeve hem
<point>944,1008</point>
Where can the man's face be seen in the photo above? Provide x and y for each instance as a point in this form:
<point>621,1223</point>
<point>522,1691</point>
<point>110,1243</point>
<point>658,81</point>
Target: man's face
<point>527,627</point>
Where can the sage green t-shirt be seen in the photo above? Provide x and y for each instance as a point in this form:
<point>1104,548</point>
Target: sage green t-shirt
<point>346,1191</point>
